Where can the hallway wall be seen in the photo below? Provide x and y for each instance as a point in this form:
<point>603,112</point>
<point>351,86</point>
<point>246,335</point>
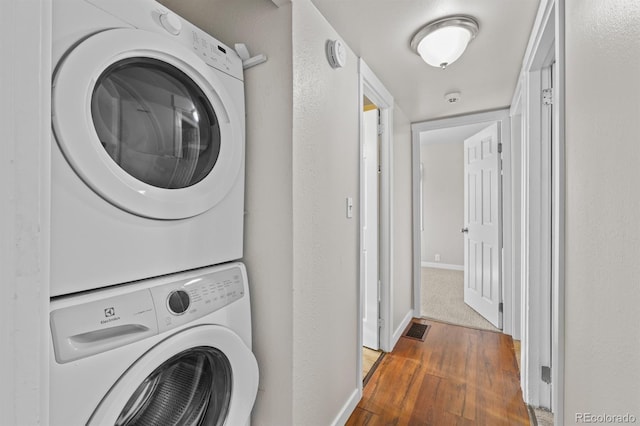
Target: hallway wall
<point>325,242</point>
<point>402,231</point>
<point>602,368</point>
<point>443,202</point>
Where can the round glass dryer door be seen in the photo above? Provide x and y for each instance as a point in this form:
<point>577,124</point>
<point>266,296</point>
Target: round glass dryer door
<point>155,123</point>
<point>203,375</point>
<point>146,124</point>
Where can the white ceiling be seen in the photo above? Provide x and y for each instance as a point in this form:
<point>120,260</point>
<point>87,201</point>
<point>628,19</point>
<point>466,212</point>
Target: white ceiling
<point>380,31</point>
<point>451,134</point>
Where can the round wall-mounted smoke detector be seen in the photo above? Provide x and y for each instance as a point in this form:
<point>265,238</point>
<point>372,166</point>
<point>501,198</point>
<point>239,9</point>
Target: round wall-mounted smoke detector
<point>452,97</point>
<point>336,53</point>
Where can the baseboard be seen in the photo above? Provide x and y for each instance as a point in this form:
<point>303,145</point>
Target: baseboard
<point>403,325</point>
<point>442,266</point>
<point>347,408</point>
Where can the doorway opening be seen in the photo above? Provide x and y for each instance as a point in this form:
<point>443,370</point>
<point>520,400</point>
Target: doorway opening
<point>452,265</point>
<point>370,226</point>
<point>374,313</point>
<point>446,214</point>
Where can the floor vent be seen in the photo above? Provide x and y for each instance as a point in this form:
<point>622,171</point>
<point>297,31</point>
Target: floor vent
<point>416,331</point>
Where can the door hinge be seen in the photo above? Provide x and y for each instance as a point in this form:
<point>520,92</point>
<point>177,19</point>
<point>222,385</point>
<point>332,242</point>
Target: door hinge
<point>380,129</point>
<point>380,322</point>
<point>501,307</point>
<point>500,148</point>
<point>547,96</point>
<point>546,374</point>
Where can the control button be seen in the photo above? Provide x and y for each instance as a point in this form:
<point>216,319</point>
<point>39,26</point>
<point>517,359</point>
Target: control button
<point>178,302</point>
<point>171,23</point>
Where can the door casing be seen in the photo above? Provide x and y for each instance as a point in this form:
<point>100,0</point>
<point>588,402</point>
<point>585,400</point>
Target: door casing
<point>372,88</point>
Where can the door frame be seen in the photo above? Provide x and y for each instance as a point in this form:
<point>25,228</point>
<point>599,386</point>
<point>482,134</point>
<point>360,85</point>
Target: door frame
<point>372,88</point>
<point>501,116</point>
<point>543,253</point>
<point>370,203</point>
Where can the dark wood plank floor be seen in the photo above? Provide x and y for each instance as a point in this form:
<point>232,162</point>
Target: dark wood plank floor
<point>457,376</point>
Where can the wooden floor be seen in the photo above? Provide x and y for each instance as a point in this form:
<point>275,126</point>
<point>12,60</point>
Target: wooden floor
<point>457,376</point>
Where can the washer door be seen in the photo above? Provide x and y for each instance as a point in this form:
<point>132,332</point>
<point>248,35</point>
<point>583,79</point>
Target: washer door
<point>147,124</point>
<point>204,375</point>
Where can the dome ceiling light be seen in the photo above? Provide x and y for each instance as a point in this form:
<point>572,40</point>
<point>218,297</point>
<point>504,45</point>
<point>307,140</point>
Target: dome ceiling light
<point>442,42</point>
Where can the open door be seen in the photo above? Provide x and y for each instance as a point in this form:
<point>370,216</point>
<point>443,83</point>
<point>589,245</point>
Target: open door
<point>482,290</point>
<point>370,314</point>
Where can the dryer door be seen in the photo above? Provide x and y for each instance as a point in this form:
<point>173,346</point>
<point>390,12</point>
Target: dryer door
<point>147,124</point>
<point>204,375</point>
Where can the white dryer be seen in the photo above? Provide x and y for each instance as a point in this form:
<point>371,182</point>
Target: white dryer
<point>148,159</point>
<point>166,351</point>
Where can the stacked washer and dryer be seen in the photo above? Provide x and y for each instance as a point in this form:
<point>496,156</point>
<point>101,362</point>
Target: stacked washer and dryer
<point>150,315</point>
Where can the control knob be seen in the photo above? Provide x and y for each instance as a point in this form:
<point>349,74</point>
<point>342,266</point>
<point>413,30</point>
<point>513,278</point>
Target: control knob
<point>178,302</point>
<point>171,23</point>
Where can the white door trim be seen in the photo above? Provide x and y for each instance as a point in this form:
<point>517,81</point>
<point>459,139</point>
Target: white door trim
<point>25,178</point>
<point>502,117</point>
<point>372,88</point>
<point>545,45</point>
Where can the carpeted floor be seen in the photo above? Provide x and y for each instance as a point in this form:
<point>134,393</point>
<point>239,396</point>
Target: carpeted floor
<point>442,299</point>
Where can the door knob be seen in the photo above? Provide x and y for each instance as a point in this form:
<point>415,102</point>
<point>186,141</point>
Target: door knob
<point>464,230</point>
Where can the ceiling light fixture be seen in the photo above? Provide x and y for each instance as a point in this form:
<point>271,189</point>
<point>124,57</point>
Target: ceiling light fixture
<point>442,42</point>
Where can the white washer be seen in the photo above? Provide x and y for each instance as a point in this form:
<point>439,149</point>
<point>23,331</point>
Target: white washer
<point>148,159</point>
<point>169,351</point>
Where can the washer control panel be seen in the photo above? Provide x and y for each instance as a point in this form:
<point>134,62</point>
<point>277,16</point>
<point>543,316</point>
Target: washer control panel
<point>103,320</point>
<point>179,302</point>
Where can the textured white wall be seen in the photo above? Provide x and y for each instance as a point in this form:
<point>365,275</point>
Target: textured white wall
<point>326,261</point>
<point>268,202</point>
<point>443,201</point>
<point>25,120</point>
<point>300,249</point>
<point>602,368</point>
<point>402,238</point>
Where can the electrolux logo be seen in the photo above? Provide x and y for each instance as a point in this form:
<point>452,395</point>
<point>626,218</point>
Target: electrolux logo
<point>110,315</point>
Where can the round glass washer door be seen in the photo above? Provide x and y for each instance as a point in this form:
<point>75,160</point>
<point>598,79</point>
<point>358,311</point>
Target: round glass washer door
<point>204,375</point>
<point>147,124</point>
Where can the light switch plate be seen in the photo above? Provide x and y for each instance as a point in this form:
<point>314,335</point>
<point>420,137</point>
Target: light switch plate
<point>349,207</point>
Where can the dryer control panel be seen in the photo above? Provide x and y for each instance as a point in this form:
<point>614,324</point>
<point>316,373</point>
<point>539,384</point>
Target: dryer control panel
<point>103,320</point>
<point>151,16</point>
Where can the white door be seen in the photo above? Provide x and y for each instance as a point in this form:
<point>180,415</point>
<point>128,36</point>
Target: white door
<point>482,289</point>
<point>370,335</point>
